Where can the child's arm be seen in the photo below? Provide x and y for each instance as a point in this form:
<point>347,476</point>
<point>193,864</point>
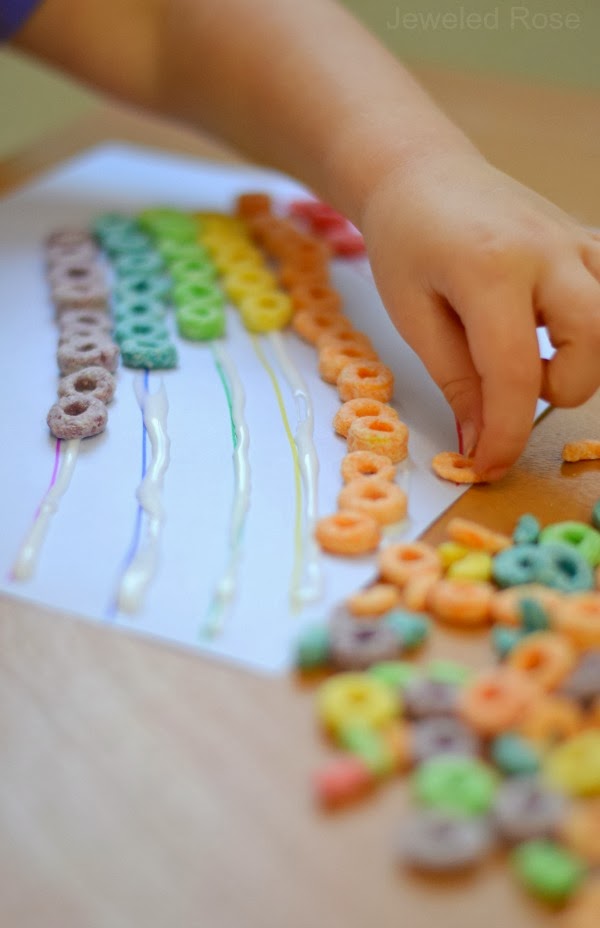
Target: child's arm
<point>466,259</point>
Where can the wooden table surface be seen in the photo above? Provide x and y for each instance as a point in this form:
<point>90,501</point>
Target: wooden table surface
<point>140,786</point>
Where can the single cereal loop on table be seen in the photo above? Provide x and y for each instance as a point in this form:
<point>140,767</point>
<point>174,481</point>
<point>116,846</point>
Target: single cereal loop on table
<point>444,735</point>
<point>382,435</point>
<point>550,719</point>
<point>342,781</point>
<point>77,416</point>
<point>367,464</point>
<point>578,619</point>
<point>253,204</point>
<point>415,592</point>
<point>334,357</point>
<point>432,841</point>
<point>74,271</point>
<point>494,700</point>
<point>473,535</point>
<point>547,870</point>
<point>59,255</point>
<point>587,450</point>
<point>383,500</point>
<point>475,565</point>
<point>374,600</point>
<point>505,607</point>
<point>348,533</point>
<point>354,698</point>
<point>574,765</point>
<point>90,381</point>
<point>358,643</point>
<point>401,562</point>
<point>370,379</point>
<point>318,297</point>
<point>525,809</point>
<point>311,324</point>
<point>360,408</point>
<point>461,786</point>
<point>77,353</point>
<point>455,467</point>
<point>546,657</point>
<point>464,603</point>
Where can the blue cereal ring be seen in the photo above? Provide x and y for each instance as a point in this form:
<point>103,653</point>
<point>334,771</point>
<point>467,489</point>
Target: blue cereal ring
<point>132,328</point>
<point>142,285</point>
<point>149,353</point>
<point>138,262</point>
<point>557,566</point>
<point>527,530</point>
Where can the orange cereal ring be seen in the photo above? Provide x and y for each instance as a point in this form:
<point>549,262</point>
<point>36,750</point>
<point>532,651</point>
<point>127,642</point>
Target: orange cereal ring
<point>551,719</point>
<point>306,252</point>
<point>367,464</point>
<point>450,465</point>
<point>374,601</point>
<point>580,831</point>
<point>495,699</point>
<point>588,450</point>
<point>401,562</point>
<point>311,324</point>
<point>253,204</point>
<point>358,409</point>
<point>582,912</point>
<point>472,535</point>
<point>387,436</point>
<point>579,619</point>
<point>383,500</point>
<point>416,591</point>
<point>366,378</point>
<point>465,603</point>
<point>505,608</point>
<point>344,340</point>
<point>546,657</point>
<point>334,357</point>
<point>290,276</point>
<point>319,298</point>
<point>348,532</point>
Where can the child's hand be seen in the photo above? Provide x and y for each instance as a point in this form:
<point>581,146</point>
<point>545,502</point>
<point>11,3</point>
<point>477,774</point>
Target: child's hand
<point>468,263</point>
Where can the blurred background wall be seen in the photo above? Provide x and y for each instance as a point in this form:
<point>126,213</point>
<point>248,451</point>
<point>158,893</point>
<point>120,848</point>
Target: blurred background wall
<point>552,41</point>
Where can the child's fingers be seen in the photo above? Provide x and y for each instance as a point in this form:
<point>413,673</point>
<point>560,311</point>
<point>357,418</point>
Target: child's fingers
<point>590,255</point>
<point>571,309</point>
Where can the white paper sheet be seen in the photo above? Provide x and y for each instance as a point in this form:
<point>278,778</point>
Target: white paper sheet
<point>89,537</point>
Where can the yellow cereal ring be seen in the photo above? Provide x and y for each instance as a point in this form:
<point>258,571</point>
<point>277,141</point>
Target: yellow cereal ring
<point>574,765</point>
<point>348,533</point>
<point>349,699</point>
<point>375,600</point>
<point>266,311</point>
<point>359,409</point>
<point>231,254</point>
<point>399,563</point>
<point>334,357</point>
<point>387,436</point>
<point>367,464</point>
<point>475,565</point>
<point>464,603</point>
<point>450,551</point>
<point>473,535</point>
<point>383,500</point>
<point>366,378</point>
<point>449,465</point>
<point>247,280</point>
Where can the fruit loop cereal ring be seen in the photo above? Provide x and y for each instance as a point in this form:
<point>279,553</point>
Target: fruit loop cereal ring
<point>434,842</point>
<point>588,450</point>
<point>395,674</point>
<point>142,262</point>
<point>465,603</point>
<point>506,605</point>
<point>334,357</point>
<point>381,435</point>
<point>546,657</point>
<point>345,243</point>
<point>450,465</point>
<point>356,644</point>
<point>374,600</point>
<point>138,308</point>
<point>312,324</point>
<point>126,242</point>
<point>85,318</point>
<point>367,464</point>
<point>371,747</point>
<point>580,831</point>
<point>188,292</point>
<point>579,619</point>
<point>425,698</point>
<point>265,312</point>
<point>583,910</point>
<point>400,562</point>
<point>496,699</point>
<point>416,591</point>
<point>527,530</point>
<point>574,765</point>
<point>68,237</point>
<point>305,252</point>
<point>384,501</point>
<point>433,737</point>
<point>89,293</point>
<point>584,538</point>
<point>317,298</point>
<point>549,720</point>
<point>348,533</point>
<point>200,322</point>
<point>240,283</point>
<point>370,379</point>
<point>459,786</point>
<point>546,870</point>
<point>77,416</point>
<point>199,270</point>
<point>557,566</point>
<point>90,381</point>
<point>342,781</point>
<point>68,272</point>
<point>143,351</point>
<point>476,565</point>
<point>355,699</point>
<point>583,684</point>
<point>472,535</point>
<point>344,339</point>
<point>292,277</point>
<point>359,409</point>
<point>132,328</point>
<point>524,810</point>
<point>410,628</point>
<point>60,255</point>
<point>514,755</point>
<point>252,204</point>
<point>137,285</point>
<point>312,647</point>
<point>107,223</point>
<point>595,519</point>
<point>76,353</point>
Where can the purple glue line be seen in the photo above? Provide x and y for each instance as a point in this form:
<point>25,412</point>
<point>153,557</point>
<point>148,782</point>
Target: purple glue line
<point>55,469</point>
<point>137,528</point>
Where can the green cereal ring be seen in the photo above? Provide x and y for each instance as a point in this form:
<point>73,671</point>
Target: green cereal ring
<point>209,293</point>
<point>134,285</point>
<point>557,566</point>
<point>144,263</point>
<point>146,352</point>
<point>458,785</point>
<point>534,617</point>
<point>505,638</point>
<point>527,530</point>
<point>168,224</point>
<point>109,223</point>
<point>192,270</point>
<point>132,328</point>
<point>172,251</point>
<point>396,674</point>
<point>514,755</point>
<point>547,870</point>
<point>444,671</point>
<point>131,306</point>
<point>125,242</point>
<point>368,744</point>
<point>596,515</point>
<point>411,628</point>
<point>200,321</point>
<point>584,538</point>
<point>312,647</point>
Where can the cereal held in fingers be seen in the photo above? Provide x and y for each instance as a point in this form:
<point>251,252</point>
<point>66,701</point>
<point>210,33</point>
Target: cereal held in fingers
<point>370,379</point>
<point>77,416</point>
<point>455,467</point>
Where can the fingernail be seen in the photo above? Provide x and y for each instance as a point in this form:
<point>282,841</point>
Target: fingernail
<point>469,437</point>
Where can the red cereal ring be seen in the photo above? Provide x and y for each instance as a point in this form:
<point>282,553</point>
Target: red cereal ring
<point>449,465</point>
<point>387,436</point>
<point>334,357</point>
<point>367,464</point>
<point>400,562</point>
<point>494,700</point>
<point>465,603</point>
<point>348,533</point>
<point>90,381</point>
<point>546,657</point>
<point>358,409</point>
<point>76,353</point>
<point>383,500</point>
<point>319,298</point>
<point>77,416</point>
<point>312,324</point>
<point>366,378</point>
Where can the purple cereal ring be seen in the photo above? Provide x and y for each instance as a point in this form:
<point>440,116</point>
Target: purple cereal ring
<point>72,319</point>
<point>424,698</point>
<point>71,271</point>
<point>76,353</point>
<point>90,381</point>
<point>68,236</point>
<point>91,292</point>
<point>434,736</point>
<point>59,255</point>
<point>356,644</point>
<point>77,416</point>
<point>525,810</point>
<point>435,842</point>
